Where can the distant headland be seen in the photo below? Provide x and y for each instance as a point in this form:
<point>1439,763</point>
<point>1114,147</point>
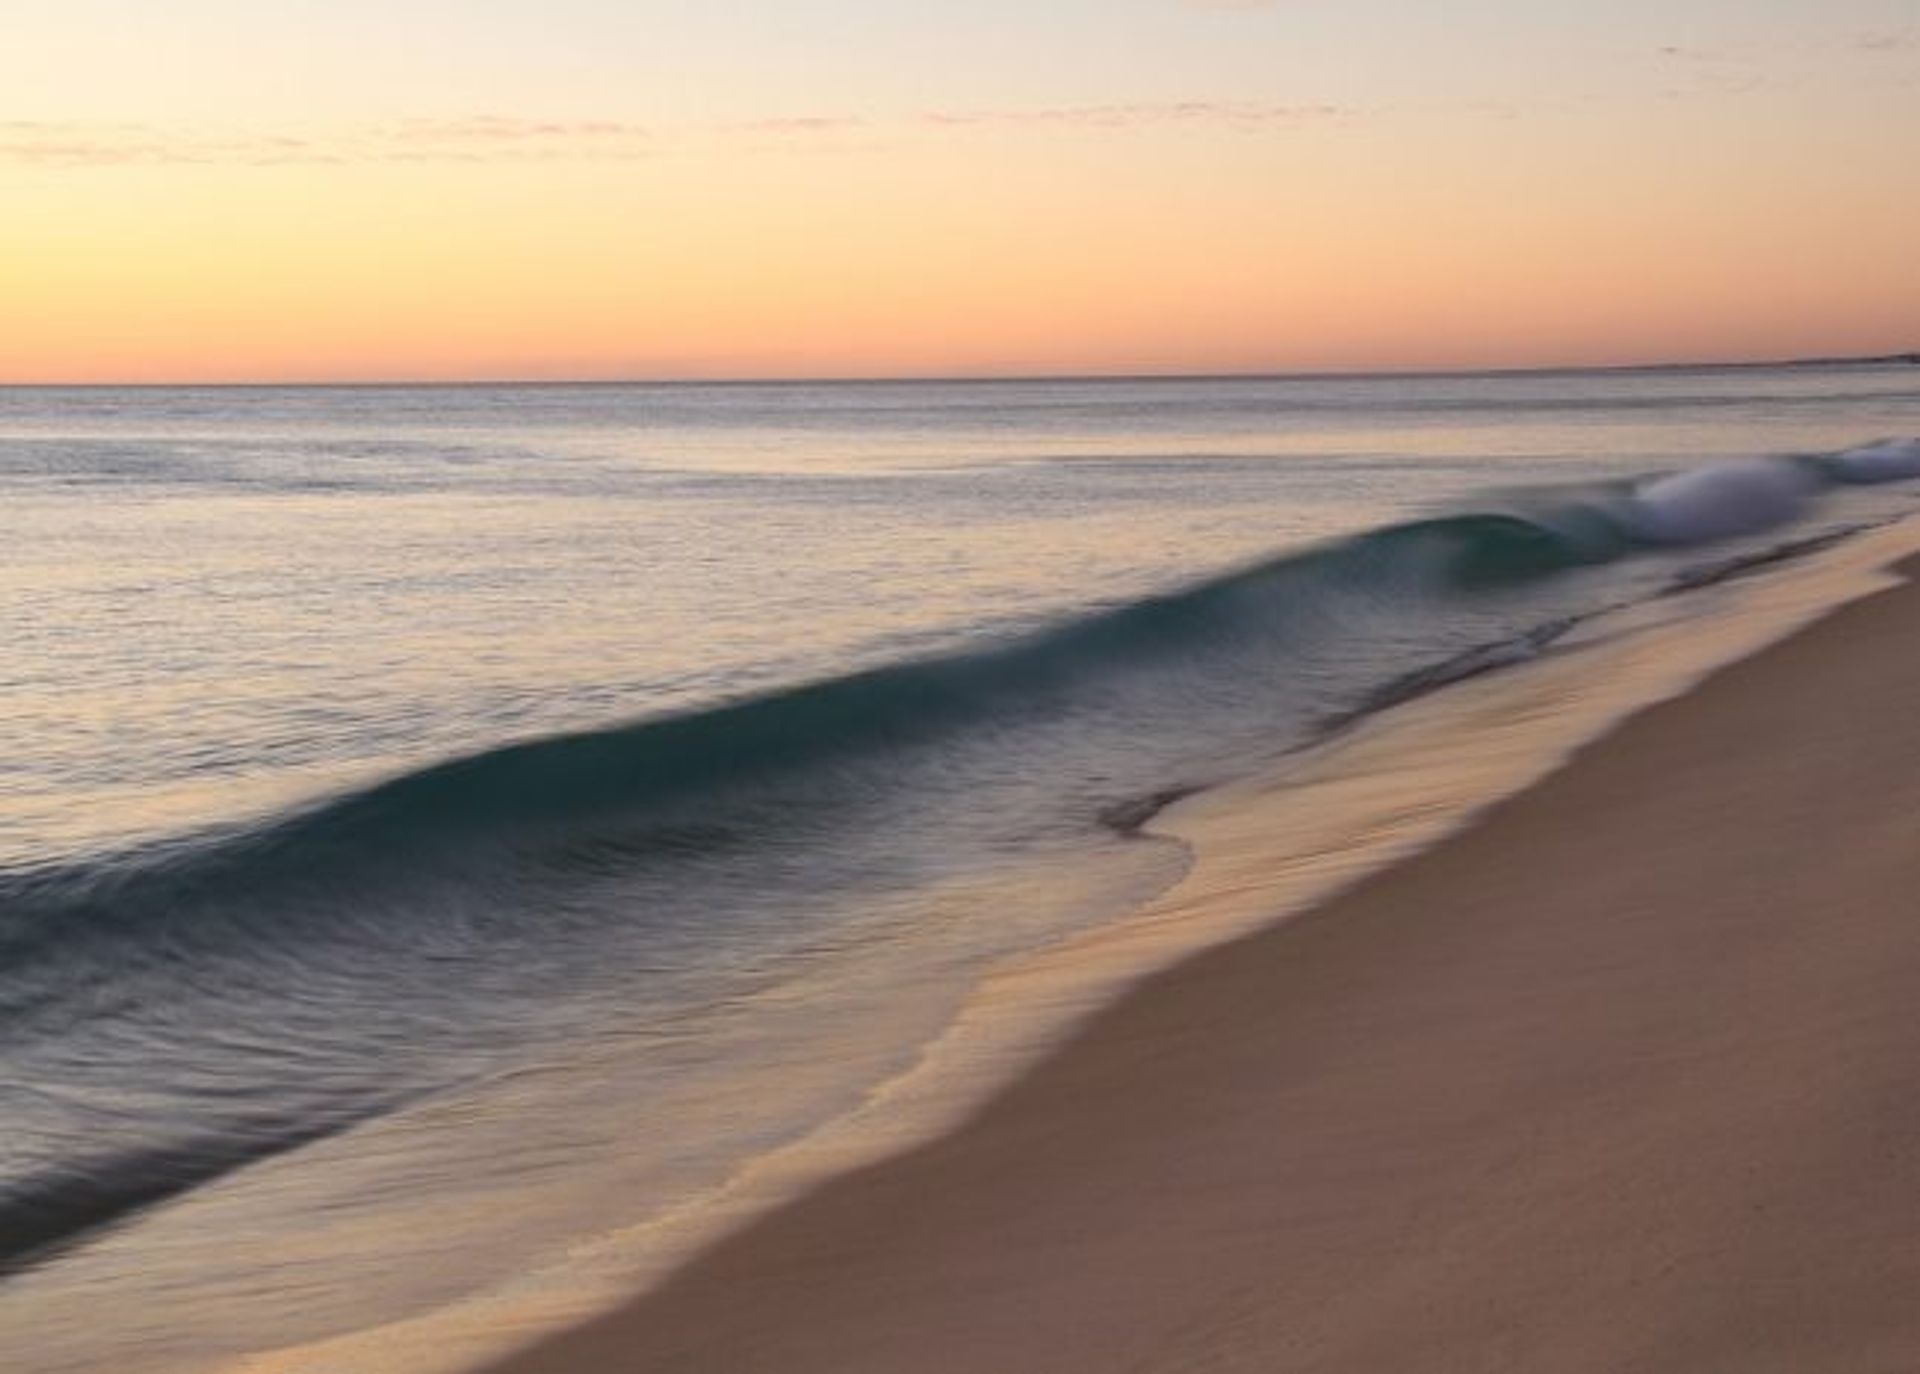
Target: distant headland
<point>1878,360</point>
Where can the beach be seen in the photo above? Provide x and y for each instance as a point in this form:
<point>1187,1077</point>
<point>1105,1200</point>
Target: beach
<point>1616,1078</point>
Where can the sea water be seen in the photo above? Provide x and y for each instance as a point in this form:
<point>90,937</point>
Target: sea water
<point>443,826</point>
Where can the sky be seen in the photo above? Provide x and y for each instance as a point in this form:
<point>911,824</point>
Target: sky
<point>335,190</point>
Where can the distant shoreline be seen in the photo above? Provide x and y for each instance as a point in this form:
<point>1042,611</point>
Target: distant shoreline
<point>1911,359</point>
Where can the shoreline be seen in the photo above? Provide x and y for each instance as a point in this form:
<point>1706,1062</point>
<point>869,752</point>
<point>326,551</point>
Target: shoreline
<point>1258,852</point>
<point>830,1282</point>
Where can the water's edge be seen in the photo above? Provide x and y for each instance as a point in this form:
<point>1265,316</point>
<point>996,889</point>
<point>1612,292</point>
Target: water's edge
<point>1258,851</point>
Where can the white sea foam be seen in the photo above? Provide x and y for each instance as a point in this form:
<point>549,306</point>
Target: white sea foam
<point>1718,501</point>
<point>1890,460</point>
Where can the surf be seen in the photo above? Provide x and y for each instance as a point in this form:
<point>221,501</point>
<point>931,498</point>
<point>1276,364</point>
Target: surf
<point>322,966</point>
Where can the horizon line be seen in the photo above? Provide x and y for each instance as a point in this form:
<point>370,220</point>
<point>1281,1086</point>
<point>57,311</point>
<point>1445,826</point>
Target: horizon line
<point>983,379</point>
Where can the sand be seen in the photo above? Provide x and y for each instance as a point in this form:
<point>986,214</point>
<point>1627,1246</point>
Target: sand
<point>1624,1077</point>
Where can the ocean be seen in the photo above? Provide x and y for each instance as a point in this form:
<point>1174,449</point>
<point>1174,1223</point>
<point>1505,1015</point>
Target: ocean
<point>443,829</point>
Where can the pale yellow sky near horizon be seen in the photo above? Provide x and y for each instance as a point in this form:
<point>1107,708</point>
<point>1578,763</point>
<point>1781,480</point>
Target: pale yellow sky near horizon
<point>281,190</point>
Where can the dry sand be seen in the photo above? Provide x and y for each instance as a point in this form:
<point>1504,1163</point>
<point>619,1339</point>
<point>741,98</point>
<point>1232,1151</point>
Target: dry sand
<point>1625,1077</point>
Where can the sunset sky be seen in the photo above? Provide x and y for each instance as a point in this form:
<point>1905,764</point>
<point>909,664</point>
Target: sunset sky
<point>389,189</point>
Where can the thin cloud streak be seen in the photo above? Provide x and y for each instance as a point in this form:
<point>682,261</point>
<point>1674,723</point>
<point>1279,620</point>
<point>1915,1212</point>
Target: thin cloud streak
<point>470,139</point>
<point>1892,41</point>
<point>487,138</point>
<point>1233,114</point>
<point>504,129</point>
<point>1745,69</point>
<point>798,125</point>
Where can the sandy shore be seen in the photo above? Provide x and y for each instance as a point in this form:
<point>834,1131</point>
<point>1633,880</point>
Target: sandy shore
<point>1622,1078</point>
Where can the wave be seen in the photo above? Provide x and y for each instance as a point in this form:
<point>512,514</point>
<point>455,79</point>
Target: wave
<point>1889,460</point>
<point>320,966</point>
<point>527,795</point>
<point>617,796</point>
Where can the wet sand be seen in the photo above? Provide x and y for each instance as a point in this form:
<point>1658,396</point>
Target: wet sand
<point>1624,1077</point>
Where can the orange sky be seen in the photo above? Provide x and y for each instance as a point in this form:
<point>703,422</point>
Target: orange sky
<point>827,187</point>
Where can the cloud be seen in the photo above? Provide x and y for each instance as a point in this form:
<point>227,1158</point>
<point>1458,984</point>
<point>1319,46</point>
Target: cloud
<point>1711,72</point>
<point>503,129</point>
<point>1741,69</point>
<point>478,139</point>
<point>1244,115</point>
<point>468,139</point>
<point>1685,54</point>
<point>50,143</point>
<point>797,124</point>
<point>1890,41</point>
